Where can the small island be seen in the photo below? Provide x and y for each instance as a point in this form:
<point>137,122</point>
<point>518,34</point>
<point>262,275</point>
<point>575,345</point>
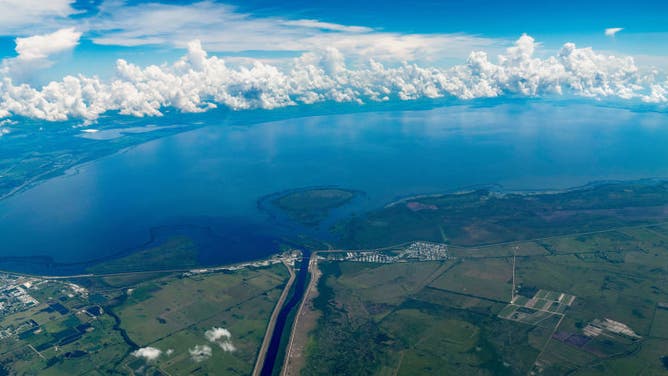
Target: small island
<point>311,206</point>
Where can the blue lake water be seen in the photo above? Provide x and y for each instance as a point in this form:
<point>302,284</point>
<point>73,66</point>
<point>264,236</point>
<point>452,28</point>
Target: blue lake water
<point>213,176</point>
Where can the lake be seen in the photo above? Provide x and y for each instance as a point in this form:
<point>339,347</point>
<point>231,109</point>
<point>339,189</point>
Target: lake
<point>212,177</point>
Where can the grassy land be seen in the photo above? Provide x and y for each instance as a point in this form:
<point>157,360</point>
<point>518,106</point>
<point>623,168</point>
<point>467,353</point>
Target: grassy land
<point>177,252</point>
<point>483,217</point>
<point>311,206</point>
<point>171,314</point>
<point>398,319</point>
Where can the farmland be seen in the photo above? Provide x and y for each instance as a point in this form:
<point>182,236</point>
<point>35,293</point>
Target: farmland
<point>182,323</point>
<point>479,217</point>
<point>583,304</point>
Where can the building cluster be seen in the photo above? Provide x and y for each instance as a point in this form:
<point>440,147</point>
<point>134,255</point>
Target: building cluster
<point>15,295</point>
<point>424,251</point>
<point>289,258</point>
<point>417,251</point>
<point>598,327</point>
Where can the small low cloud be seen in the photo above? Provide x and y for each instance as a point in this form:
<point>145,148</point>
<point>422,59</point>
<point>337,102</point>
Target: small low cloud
<point>227,346</point>
<point>3,126</point>
<point>214,334</point>
<point>200,353</point>
<point>148,353</point>
<point>612,31</point>
<point>222,337</point>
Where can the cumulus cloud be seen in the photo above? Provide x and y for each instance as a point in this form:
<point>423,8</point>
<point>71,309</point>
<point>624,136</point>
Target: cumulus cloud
<point>148,353</point>
<point>222,337</point>
<point>198,82</point>
<point>214,334</point>
<point>42,46</point>
<point>612,31</point>
<point>34,51</point>
<point>200,353</point>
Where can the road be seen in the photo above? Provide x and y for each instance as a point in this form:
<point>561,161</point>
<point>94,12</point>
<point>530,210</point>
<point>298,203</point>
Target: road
<point>259,362</point>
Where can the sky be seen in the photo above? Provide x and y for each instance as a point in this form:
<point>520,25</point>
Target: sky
<point>63,59</point>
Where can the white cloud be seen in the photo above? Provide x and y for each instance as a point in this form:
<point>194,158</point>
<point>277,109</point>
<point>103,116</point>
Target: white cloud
<point>200,353</point>
<point>227,346</point>
<point>3,129</point>
<point>222,337</point>
<point>42,46</point>
<point>612,31</point>
<point>148,353</point>
<point>18,15</point>
<point>222,27</point>
<point>198,82</point>
<point>34,52</point>
<point>315,24</point>
<point>214,334</point>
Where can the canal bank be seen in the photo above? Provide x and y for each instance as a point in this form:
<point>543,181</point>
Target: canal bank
<point>274,353</point>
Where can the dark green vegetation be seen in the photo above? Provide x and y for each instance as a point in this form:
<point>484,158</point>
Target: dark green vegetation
<point>175,253</point>
<point>484,217</point>
<point>590,267</point>
<point>96,333</point>
<point>453,317</point>
<point>311,206</point>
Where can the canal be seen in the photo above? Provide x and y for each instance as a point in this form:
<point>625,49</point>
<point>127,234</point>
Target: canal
<point>281,320</point>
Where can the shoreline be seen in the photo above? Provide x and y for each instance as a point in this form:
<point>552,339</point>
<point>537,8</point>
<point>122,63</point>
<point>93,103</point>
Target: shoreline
<point>49,262</point>
<point>526,192</point>
<point>275,258</point>
<point>319,110</point>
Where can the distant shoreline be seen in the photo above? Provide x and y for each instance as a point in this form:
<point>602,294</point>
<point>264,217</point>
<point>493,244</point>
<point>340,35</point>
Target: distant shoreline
<point>498,188</point>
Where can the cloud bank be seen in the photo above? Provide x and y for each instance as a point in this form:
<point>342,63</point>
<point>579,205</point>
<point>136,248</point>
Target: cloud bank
<point>198,82</point>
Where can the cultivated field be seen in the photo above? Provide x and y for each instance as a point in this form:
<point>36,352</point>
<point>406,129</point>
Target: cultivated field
<point>210,323</point>
<point>590,304</point>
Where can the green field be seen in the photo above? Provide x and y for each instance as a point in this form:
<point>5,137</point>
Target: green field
<point>589,269</point>
<point>177,315</point>
<point>484,217</point>
<point>174,253</point>
<point>454,317</point>
<point>171,314</point>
